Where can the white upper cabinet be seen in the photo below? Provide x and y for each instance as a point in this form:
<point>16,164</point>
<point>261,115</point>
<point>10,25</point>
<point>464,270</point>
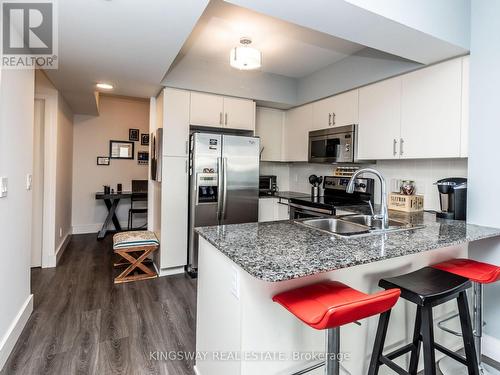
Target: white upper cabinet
<point>222,112</point>
<point>338,110</point>
<point>207,110</point>
<point>423,114</point>
<point>269,125</point>
<point>298,123</point>
<point>464,135</point>
<point>175,122</point>
<point>379,120</point>
<point>239,113</point>
<point>431,111</point>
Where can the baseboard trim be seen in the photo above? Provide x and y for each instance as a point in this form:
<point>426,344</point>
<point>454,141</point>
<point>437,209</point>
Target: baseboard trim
<point>15,329</point>
<point>171,271</point>
<point>51,261</point>
<point>491,347</point>
<point>96,227</point>
<point>62,248</point>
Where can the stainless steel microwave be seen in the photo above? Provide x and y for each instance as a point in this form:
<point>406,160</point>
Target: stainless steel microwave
<point>332,145</point>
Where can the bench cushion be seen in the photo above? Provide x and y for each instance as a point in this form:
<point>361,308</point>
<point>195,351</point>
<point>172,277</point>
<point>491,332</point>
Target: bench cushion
<point>134,239</point>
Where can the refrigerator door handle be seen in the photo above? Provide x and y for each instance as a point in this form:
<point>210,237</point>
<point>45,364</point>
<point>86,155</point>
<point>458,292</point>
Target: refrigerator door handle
<point>219,190</point>
<point>224,187</point>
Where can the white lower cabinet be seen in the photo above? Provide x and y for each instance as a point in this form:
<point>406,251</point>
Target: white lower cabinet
<point>283,212</point>
<point>270,209</point>
<point>174,212</point>
<point>266,209</point>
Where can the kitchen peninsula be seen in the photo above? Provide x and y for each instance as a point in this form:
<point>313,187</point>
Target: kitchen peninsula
<point>243,266</point>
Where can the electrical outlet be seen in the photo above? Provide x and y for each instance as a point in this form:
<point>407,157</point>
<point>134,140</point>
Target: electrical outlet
<point>4,186</point>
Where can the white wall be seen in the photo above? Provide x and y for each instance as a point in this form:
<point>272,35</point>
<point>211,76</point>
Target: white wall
<point>280,170</point>
<point>91,138</point>
<point>446,19</point>
<point>362,68</point>
<point>16,161</point>
<point>62,129</point>
<point>484,135</point>
<point>224,80</point>
<point>154,187</point>
<point>424,172</point>
<point>64,172</point>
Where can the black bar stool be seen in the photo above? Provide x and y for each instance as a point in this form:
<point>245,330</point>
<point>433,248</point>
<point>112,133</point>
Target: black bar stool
<point>427,288</point>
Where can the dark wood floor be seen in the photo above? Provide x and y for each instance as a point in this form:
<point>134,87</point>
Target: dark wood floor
<point>84,324</point>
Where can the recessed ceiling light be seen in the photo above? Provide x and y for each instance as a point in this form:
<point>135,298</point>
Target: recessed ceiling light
<point>104,86</point>
<point>244,57</point>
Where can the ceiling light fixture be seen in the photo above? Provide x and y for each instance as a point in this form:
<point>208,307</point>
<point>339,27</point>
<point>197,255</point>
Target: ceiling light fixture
<point>244,57</point>
<point>104,86</point>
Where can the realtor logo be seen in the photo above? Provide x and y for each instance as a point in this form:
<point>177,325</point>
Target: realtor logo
<point>29,35</point>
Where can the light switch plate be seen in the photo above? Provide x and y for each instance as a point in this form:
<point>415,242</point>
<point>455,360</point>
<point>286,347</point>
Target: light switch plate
<point>29,181</point>
<point>4,186</point>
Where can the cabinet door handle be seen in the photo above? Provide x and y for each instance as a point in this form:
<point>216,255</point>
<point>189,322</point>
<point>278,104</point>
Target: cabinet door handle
<point>401,143</point>
<point>333,118</point>
<point>394,145</point>
<point>329,119</point>
<point>220,118</point>
<point>225,119</point>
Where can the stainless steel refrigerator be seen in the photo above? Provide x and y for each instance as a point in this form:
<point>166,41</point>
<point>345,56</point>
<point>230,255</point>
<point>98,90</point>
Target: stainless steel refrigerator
<point>224,183</point>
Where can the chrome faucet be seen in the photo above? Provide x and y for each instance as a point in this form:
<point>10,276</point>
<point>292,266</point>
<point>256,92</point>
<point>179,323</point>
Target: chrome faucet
<point>383,215</point>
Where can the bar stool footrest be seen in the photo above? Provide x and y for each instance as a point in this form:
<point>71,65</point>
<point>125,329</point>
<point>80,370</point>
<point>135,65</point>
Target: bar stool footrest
<point>309,368</point>
<point>393,366</point>
<point>399,352</point>
<point>450,354</point>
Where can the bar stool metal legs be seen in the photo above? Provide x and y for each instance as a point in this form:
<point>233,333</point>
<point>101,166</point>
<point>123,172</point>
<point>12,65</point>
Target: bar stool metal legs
<point>332,351</point>
<point>450,367</point>
<point>332,363</point>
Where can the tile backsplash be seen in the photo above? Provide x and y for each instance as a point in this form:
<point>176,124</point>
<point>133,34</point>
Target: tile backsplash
<point>425,172</point>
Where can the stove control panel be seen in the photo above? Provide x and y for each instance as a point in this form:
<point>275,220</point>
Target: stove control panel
<point>361,185</point>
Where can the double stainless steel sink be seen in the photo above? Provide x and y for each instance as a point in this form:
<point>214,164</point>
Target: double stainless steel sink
<point>352,225</point>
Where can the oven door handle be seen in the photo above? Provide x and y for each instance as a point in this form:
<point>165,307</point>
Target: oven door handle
<point>311,209</point>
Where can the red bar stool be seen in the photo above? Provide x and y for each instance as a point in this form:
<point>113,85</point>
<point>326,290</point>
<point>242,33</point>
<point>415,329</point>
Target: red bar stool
<point>479,273</point>
<point>330,304</point>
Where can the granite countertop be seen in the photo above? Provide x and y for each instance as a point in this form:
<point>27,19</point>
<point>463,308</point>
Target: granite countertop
<point>286,195</point>
<point>283,250</point>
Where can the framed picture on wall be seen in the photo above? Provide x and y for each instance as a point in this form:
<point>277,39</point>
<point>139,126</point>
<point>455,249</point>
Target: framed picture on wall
<point>133,135</point>
<point>121,150</point>
<point>143,158</point>
<point>103,160</point>
<point>145,139</point>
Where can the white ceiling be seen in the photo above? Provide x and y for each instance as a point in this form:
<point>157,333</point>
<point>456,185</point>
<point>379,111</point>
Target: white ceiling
<point>128,43</point>
<point>287,49</point>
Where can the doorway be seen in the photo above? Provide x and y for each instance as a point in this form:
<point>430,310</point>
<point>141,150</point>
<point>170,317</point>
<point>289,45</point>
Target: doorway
<point>38,182</point>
